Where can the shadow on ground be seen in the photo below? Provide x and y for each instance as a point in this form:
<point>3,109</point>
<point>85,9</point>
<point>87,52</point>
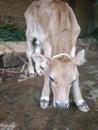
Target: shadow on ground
<point>20,110</point>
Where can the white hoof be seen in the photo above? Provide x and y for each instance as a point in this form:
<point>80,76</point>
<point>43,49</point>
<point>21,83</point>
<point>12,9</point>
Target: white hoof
<point>83,107</point>
<point>44,103</point>
<point>32,75</point>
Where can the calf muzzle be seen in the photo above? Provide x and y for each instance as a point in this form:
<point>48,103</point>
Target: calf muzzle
<point>61,106</point>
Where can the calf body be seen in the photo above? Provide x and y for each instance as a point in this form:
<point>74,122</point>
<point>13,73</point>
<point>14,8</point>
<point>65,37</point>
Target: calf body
<point>54,26</point>
<point>52,29</point>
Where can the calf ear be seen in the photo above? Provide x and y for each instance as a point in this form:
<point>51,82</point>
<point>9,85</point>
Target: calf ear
<point>40,60</point>
<point>80,58</point>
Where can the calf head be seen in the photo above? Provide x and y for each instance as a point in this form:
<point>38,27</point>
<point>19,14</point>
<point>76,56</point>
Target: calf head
<point>60,73</point>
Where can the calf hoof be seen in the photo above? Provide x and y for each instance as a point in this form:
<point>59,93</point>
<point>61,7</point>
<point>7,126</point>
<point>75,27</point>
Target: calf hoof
<point>44,103</point>
<point>83,107</point>
<point>32,75</point>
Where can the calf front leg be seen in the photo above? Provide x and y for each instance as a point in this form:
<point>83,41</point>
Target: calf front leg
<point>78,99</point>
<point>45,96</point>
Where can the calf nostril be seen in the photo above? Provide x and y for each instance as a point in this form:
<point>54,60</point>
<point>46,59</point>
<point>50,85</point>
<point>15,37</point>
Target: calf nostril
<point>61,106</point>
<point>56,105</point>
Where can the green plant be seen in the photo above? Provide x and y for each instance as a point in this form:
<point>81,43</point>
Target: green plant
<point>10,32</point>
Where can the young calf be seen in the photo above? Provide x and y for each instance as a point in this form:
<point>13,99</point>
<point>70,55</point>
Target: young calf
<point>52,28</point>
<point>60,73</point>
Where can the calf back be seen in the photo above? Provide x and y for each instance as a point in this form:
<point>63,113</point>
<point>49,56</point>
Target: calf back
<point>52,22</point>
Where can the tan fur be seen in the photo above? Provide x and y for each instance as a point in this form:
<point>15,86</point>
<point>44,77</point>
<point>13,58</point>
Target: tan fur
<point>60,73</point>
<point>55,27</point>
<point>54,24</point>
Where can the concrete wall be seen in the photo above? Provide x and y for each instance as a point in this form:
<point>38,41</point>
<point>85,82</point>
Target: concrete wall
<point>16,8</point>
<point>82,9</point>
<point>95,16</point>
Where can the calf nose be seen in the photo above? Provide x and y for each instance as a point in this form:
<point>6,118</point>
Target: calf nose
<point>61,106</point>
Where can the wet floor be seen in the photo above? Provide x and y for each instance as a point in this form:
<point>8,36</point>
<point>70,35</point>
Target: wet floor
<point>20,110</point>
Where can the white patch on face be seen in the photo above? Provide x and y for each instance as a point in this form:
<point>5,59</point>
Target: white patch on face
<point>62,54</point>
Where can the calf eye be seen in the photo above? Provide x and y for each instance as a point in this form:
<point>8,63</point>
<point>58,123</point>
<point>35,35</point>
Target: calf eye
<point>51,78</point>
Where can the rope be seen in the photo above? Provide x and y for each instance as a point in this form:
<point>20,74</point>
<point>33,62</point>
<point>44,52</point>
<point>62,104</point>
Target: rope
<point>24,65</point>
<point>15,53</point>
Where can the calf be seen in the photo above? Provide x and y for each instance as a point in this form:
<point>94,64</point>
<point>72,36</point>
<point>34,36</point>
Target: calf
<point>52,28</point>
<point>60,73</point>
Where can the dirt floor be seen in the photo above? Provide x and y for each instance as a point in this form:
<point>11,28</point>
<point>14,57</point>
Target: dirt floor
<point>20,110</point>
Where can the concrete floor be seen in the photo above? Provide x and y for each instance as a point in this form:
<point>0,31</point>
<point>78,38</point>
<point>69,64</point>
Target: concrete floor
<point>20,110</point>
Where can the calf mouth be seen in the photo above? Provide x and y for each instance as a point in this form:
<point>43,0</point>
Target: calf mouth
<point>61,106</point>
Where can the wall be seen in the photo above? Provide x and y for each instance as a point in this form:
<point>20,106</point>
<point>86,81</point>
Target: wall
<point>16,8</point>
<point>82,9</point>
<point>95,15</point>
